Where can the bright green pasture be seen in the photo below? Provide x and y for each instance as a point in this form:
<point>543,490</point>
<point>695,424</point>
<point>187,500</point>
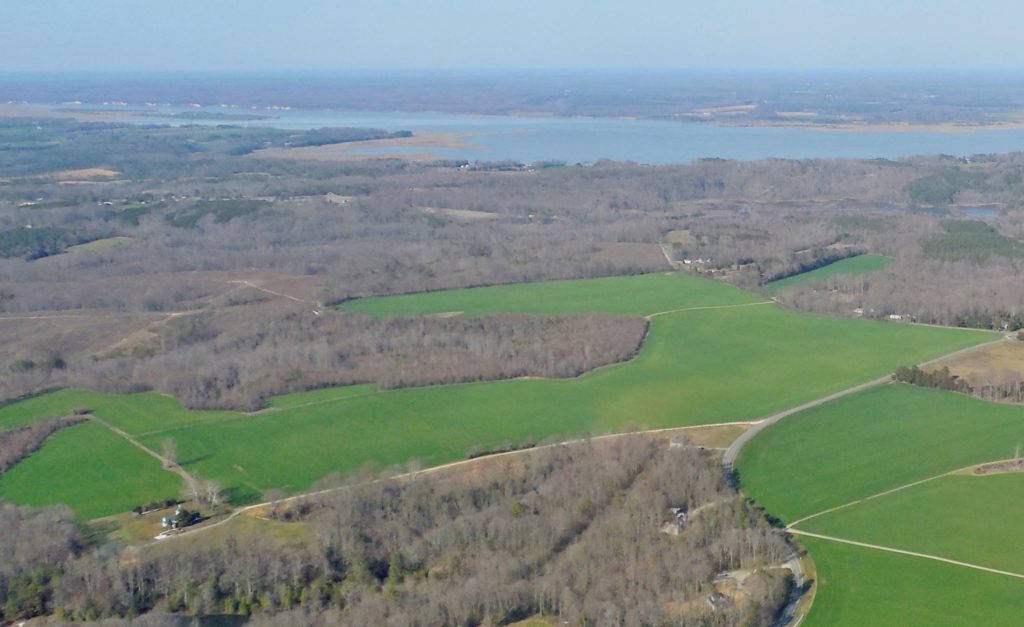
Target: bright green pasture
<point>322,395</point>
<point>966,518</point>
<point>134,413</point>
<point>859,587</point>
<point>871,442</point>
<point>91,470</point>
<point>861,264</point>
<point>629,295</point>
<point>697,367</point>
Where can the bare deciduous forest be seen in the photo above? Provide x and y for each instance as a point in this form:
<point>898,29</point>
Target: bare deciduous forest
<point>580,532</point>
<point>190,266</point>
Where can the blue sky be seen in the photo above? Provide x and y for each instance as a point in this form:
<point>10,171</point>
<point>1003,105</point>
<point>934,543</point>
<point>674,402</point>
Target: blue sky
<point>167,35</point>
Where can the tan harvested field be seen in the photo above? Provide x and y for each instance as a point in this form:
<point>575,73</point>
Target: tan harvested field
<point>336,199</point>
<point>105,332</point>
<point>462,214</point>
<point>993,361</point>
<point>79,175</point>
<point>681,236</point>
<point>727,110</point>
<point>356,151</point>
<point>629,252</point>
<point>79,334</point>
<point>83,174</point>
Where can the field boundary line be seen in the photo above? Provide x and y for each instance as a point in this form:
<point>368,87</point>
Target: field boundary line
<point>702,307</point>
<point>912,484</point>
<point>950,473</point>
<point>165,463</point>
<point>253,414</point>
<point>889,549</point>
<point>317,307</point>
<point>675,265</point>
<point>733,453</point>
<point>271,410</point>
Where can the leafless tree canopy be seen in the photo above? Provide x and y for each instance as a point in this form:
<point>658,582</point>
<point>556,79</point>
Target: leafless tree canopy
<point>576,532</point>
<point>166,310</point>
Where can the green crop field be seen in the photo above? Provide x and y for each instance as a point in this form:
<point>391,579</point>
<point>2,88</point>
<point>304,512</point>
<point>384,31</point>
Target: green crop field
<point>135,413</point>
<point>630,295</point>
<point>861,264</point>
<point>99,244</point>
<point>91,470</point>
<point>884,438</point>
<point>870,442</point>
<point>698,366</point>
<point>960,517</point>
<point>323,395</point>
<point>859,586</point>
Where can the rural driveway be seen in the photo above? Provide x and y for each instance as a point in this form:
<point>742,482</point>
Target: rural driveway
<point>733,452</point>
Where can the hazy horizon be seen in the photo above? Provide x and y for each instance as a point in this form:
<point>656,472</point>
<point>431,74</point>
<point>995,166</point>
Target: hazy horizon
<point>59,36</point>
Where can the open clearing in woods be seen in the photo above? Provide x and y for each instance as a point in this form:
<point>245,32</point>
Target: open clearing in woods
<point>91,470</point>
<point>861,264</point>
<point>990,364</point>
<point>714,354</point>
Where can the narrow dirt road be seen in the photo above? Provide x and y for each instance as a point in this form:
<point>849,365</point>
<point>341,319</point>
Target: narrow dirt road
<point>166,463</point>
<point>889,549</point>
<point>734,450</point>
<point>704,307</point>
<point>317,307</point>
<point>671,262</point>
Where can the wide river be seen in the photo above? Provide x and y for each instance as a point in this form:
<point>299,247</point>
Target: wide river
<point>576,140</point>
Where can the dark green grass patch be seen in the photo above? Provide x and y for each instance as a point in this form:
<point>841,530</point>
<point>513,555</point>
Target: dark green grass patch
<point>971,240</point>
<point>38,242</point>
<point>221,211</point>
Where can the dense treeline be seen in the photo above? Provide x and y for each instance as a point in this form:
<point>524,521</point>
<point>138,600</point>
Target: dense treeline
<point>245,364</point>
<point>574,532</point>
<point>941,379</point>
<point>997,385</point>
<point>232,358</point>
<point>29,243</point>
<point>971,240</point>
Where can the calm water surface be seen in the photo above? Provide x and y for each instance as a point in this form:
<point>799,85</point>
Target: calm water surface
<point>576,140</point>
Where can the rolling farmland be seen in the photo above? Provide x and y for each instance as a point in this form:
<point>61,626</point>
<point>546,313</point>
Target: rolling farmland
<point>724,357</point>
<point>884,468</point>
